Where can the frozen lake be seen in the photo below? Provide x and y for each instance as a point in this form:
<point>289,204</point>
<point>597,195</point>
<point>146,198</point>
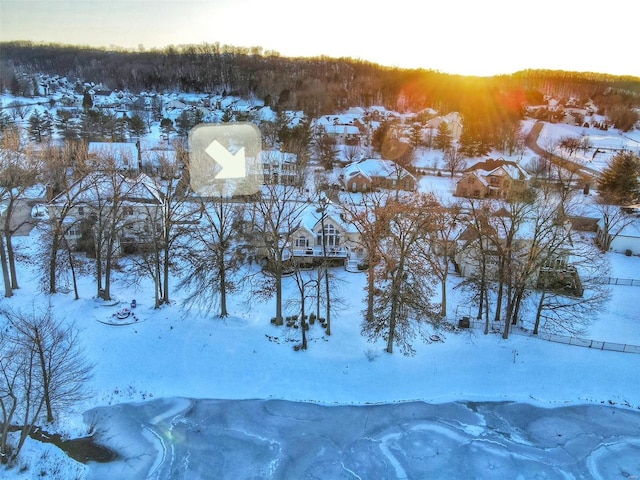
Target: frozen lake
<point>262,439</point>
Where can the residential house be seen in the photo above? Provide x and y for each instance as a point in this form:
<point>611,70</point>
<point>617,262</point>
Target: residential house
<point>134,204</point>
<point>555,273</point>
<point>346,128</point>
<point>453,121</point>
<point>126,158</point>
<point>323,234</point>
<point>628,239</point>
<point>347,134</point>
<point>493,178</point>
<point>175,105</point>
<point>280,168</point>
<point>368,174</point>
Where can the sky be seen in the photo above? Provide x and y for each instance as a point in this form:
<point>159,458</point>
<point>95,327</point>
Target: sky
<point>456,36</point>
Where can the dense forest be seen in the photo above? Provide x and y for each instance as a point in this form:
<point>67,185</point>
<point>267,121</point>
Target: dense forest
<point>317,85</point>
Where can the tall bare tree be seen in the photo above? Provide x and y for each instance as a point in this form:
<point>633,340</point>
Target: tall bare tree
<point>21,399</point>
<point>454,161</point>
<point>62,369</point>
<point>369,219</point>
<point>404,284</point>
<point>19,170</point>
<point>215,255</point>
<point>56,252</point>
<point>274,217</point>
<point>177,216</point>
<point>42,370</point>
<point>440,246</point>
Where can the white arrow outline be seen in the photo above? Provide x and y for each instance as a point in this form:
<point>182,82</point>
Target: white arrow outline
<point>233,166</point>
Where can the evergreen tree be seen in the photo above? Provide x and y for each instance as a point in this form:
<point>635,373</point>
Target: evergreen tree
<point>185,122</point>
<point>380,135</point>
<point>87,101</point>
<point>6,122</point>
<point>415,135</point>
<point>473,141</point>
<point>619,181</point>
<point>443,137</point>
<point>136,126</point>
<point>40,126</point>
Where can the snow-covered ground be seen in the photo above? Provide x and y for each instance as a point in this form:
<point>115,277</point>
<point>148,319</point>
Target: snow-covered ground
<point>170,357</point>
<point>169,353</point>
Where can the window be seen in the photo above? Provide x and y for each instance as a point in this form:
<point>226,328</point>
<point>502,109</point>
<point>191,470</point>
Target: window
<point>302,241</point>
<point>73,231</point>
<point>331,236</point>
<point>80,211</point>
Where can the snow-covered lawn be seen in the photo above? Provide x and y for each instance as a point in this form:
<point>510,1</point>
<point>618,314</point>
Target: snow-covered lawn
<point>173,353</point>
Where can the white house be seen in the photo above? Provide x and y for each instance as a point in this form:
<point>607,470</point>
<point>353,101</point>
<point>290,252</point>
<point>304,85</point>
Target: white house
<point>133,205</point>
<point>627,240</point>
<point>280,168</point>
<point>324,234</point>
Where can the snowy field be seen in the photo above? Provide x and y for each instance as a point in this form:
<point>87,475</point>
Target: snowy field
<point>605,144</point>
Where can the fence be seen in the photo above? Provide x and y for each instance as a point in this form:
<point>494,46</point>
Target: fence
<point>630,282</point>
<point>554,337</point>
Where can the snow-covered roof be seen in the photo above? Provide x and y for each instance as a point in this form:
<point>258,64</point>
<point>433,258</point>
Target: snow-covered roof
<point>341,129</point>
<point>124,155</point>
<point>311,218</point>
<point>99,186</point>
<point>375,167</point>
<point>499,168</point>
<point>276,157</point>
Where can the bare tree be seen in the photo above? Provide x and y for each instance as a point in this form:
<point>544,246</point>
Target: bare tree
<point>19,170</point>
<point>404,284</point>
<point>274,217</point>
<point>613,220</point>
<point>172,221</point>
<point>305,284</point>
<point>62,369</point>
<point>369,219</point>
<point>57,253</point>
<point>571,294</point>
<point>352,153</point>
<point>21,399</point>
<point>215,255</point>
<point>454,161</point>
<point>41,369</point>
<point>440,246</point>
<point>478,254</point>
<point>572,144</point>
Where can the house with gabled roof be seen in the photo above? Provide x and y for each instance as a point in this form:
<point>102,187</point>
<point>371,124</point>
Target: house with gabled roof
<point>368,174</point>
<point>124,157</point>
<point>134,204</point>
<point>324,234</point>
<point>493,178</point>
<point>478,249</point>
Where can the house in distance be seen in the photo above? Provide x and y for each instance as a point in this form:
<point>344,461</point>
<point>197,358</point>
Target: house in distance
<point>493,178</point>
<point>369,174</point>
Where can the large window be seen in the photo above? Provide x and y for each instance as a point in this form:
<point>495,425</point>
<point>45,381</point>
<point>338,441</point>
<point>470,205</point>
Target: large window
<point>302,241</point>
<point>330,234</point>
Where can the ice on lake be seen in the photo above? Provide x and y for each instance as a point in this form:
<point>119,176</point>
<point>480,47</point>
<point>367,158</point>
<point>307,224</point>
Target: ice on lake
<point>262,439</point>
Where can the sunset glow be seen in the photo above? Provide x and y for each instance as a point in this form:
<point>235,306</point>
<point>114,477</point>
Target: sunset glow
<point>460,36</point>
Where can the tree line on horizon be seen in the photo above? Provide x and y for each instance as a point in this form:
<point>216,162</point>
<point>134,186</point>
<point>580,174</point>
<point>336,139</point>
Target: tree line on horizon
<point>316,85</point>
